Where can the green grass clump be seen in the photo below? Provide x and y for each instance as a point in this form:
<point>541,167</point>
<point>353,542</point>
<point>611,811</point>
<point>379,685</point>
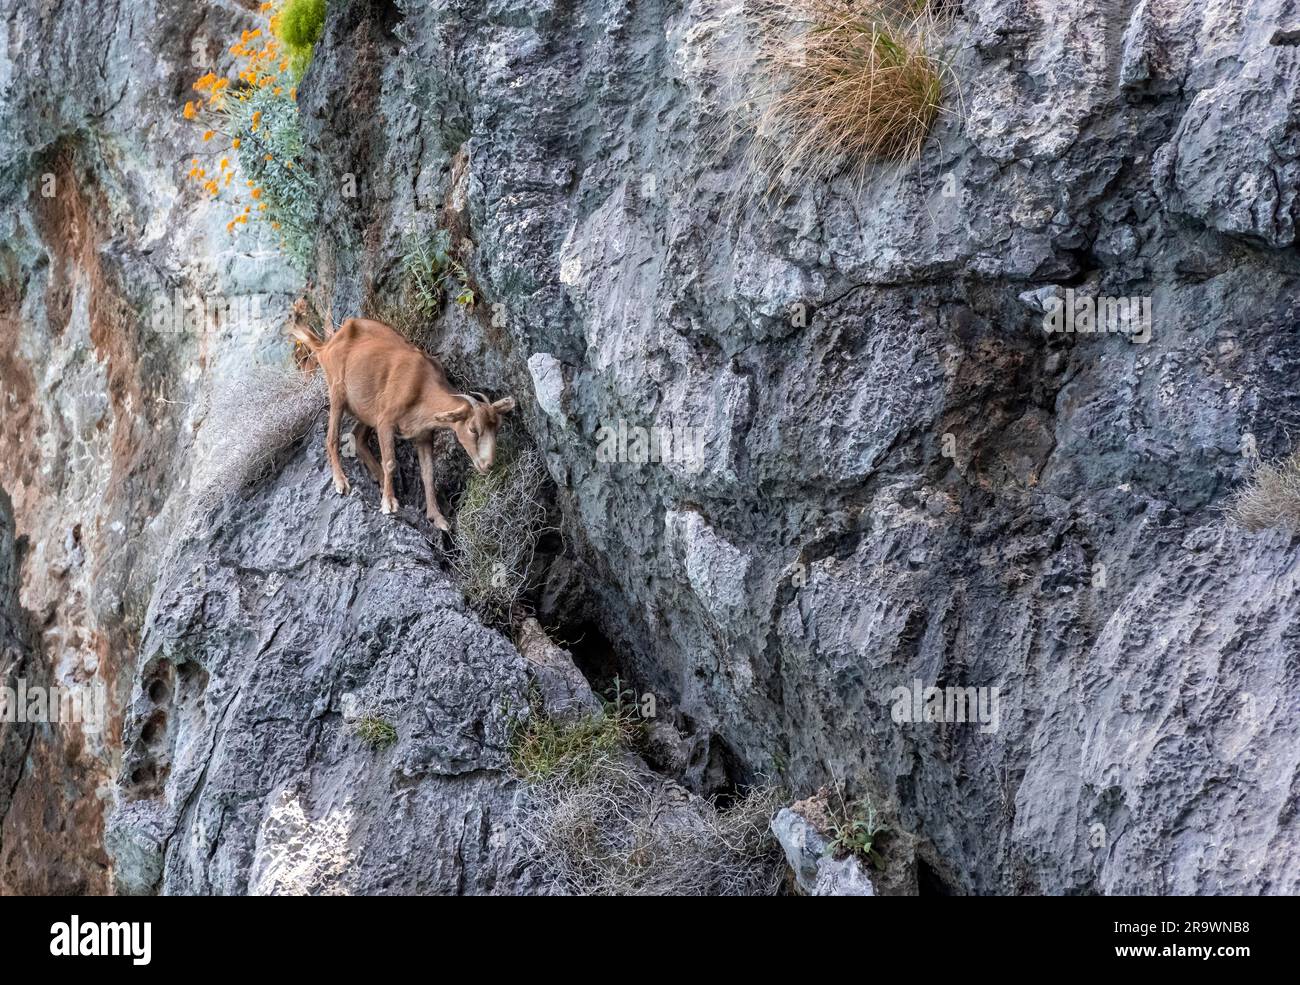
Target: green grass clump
<point>374,731</point>
<point>544,749</point>
<point>301,24</point>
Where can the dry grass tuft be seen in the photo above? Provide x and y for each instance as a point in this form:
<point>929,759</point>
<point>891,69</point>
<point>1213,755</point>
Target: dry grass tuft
<point>252,418</point>
<point>499,521</point>
<point>1271,498</point>
<point>625,832</point>
<point>843,84</point>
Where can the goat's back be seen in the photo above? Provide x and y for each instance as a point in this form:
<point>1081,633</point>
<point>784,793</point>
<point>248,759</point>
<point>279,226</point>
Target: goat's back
<point>380,371</point>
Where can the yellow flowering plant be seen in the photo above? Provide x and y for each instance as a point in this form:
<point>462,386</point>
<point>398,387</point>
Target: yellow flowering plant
<point>254,112</point>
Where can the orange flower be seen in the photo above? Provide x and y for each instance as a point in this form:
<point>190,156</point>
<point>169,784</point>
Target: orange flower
<point>209,134</point>
<point>235,143</point>
<point>190,111</point>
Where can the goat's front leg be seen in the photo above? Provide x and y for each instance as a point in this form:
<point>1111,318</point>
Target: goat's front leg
<point>332,441</point>
<point>425,450</point>
<point>388,458</point>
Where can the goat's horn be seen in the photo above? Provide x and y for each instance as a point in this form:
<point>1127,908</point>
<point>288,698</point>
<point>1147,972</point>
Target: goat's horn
<point>466,396</point>
<point>482,397</point>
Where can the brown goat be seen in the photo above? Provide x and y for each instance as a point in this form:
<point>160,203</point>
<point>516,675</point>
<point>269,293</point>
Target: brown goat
<point>397,391</point>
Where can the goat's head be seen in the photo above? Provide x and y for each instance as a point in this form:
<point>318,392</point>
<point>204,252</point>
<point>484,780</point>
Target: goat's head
<point>475,423</point>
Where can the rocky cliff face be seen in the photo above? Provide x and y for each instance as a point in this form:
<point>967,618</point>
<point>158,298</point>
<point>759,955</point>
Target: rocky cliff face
<point>278,623</point>
<point>903,477</point>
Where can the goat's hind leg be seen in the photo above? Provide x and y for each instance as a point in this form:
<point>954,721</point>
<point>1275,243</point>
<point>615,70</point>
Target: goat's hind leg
<point>341,483</point>
<point>361,438</point>
<point>425,450</point>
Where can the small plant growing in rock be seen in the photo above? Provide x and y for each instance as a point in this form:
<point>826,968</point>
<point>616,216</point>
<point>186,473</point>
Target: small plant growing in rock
<point>854,830</point>
<point>1270,498</point>
<point>602,823</point>
<point>432,274</point>
<point>845,83</point>
<point>622,701</point>
<point>376,732</point>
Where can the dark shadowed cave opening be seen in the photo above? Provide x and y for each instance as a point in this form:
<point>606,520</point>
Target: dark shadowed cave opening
<point>929,882</point>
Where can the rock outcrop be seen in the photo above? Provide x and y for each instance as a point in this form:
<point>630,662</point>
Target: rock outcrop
<point>278,622</point>
<point>817,872</point>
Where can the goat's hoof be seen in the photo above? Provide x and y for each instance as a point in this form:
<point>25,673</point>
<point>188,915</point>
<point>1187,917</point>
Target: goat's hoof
<point>440,523</point>
<point>342,486</point>
<point>388,507</point>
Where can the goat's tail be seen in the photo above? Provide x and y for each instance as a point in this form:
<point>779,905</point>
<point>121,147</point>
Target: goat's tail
<point>299,328</point>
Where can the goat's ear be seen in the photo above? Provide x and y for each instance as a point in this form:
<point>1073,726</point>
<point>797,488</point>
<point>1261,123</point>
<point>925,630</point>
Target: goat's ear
<point>451,416</point>
<point>505,405</point>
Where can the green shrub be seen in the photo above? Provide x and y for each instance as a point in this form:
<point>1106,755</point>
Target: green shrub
<point>300,25</point>
<point>546,749</point>
<point>270,155</point>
